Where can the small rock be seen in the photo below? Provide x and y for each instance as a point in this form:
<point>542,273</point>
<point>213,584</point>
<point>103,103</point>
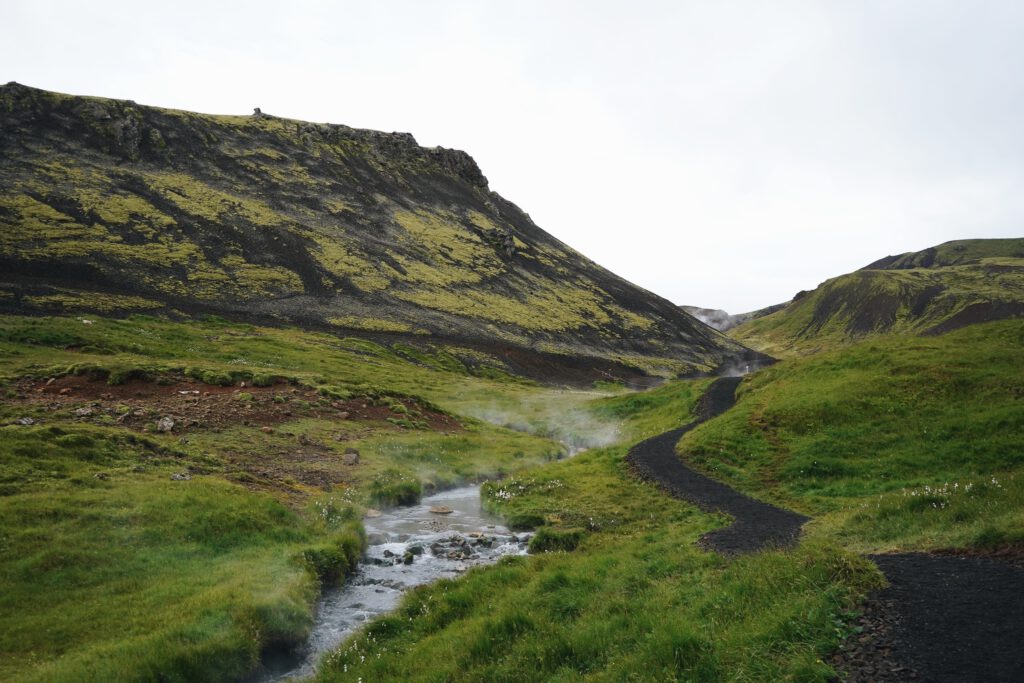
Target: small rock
<point>416,550</point>
<point>388,553</point>
<point>408,558</point>
<point>65,391</point>
<point>343,415</point>
<point>26,421</point>
<point>83,412</point>
<point>181,476</point>
<point>267,430</point>
<point>371,513</point>
<point>183,440</point>
<point>102,476</point>
<point>165,424</point>
<point>350,457</point>
<point>441,510</point>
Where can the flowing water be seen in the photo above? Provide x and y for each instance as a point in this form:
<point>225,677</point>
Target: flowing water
<point>435,545</point>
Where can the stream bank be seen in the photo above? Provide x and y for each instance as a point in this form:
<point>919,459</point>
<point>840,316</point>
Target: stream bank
<point>407,547</point>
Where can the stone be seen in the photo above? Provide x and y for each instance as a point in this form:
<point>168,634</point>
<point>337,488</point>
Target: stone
<point>371,513</point>
<point>65,391</point>
<point>102,476</point>
<point>83,412</point>
<point>441,510</point>
<point>267,430</point>
<point>181,476</point>
<point>350,457</point>
<point>165,424</point>
<point>26,421</point>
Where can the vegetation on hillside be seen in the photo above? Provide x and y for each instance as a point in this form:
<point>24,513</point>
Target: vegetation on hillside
<point>896,442</point>
<point>111,207</point>
<point>925,293</point>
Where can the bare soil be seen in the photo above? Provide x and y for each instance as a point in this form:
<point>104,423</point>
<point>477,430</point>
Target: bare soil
<point>194,405</point>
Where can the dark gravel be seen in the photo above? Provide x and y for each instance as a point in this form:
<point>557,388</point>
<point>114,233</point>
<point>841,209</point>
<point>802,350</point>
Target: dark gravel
<point>757,525</point>
<point>943,619</point>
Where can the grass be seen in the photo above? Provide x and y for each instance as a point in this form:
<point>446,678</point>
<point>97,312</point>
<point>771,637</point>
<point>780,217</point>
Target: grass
<point>616,591</point>
<point>873,440</point>
<point>114,571</point>
<point>914,300</point>
<point>898,442</point>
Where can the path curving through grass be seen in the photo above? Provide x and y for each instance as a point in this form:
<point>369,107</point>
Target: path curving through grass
<point>942,619</point>
<point>757,525</point>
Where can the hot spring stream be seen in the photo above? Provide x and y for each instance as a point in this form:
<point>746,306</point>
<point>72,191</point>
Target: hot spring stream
<point>435,545</point>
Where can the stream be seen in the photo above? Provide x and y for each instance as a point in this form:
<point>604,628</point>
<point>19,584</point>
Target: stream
<point>407,547</point>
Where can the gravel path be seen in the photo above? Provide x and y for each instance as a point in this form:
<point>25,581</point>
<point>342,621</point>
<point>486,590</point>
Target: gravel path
<point>945,618</point>
<point>757,525</point>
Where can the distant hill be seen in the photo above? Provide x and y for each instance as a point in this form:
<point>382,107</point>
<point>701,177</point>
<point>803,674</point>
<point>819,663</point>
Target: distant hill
<point>723,321</point>
<point>927,292</point>
<point>110,206</point>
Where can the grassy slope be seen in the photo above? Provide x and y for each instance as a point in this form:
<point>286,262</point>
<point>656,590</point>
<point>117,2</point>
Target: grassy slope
<point>937,290</point>
<point>894,443</point>
<point>633,600</point>
<point>112,571</point>
<point>113,207</point>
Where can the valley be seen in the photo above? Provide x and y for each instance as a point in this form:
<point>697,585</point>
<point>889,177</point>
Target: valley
<point>282,397</point>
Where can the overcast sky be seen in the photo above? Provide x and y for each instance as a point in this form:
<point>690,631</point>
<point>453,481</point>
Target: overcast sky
<point>723,154</point>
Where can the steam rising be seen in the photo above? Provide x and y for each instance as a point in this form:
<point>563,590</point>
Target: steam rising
<point>572,425</point>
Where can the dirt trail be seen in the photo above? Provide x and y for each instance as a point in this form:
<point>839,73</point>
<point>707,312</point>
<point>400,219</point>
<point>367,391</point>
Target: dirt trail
<point>943,618</point>
<point>757,525</point>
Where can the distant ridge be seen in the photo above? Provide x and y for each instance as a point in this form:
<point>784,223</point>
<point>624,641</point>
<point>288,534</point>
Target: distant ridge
<point>933,291</point>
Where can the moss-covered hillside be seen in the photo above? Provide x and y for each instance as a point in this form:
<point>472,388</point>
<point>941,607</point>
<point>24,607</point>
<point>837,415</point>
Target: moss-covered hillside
<point>114,207</point>
<point>928,292</point>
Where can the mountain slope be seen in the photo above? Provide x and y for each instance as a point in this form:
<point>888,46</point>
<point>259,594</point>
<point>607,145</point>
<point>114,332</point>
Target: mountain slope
<point>111,206</point>
<point>723,321</point>
<point>928,292</point>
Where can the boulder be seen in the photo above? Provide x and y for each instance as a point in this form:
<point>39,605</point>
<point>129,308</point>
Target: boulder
<point>165,424</point>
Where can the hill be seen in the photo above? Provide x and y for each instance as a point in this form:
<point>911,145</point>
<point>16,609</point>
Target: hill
<point>923,293</point>
<point>724,321</point>
<point>117,208</point>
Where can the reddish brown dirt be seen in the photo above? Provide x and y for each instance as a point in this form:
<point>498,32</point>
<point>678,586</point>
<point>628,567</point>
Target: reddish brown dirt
<point>194,405</point>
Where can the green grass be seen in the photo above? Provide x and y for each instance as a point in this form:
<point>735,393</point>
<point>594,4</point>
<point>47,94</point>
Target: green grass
<point>112,571</point>
<point>133,576</point>
<point>898,442</point>
<point>618,591</point>
<point>895,443</point>
<point>869,303</point>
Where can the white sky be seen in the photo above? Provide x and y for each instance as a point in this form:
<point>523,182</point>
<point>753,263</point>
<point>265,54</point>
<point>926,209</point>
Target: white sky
<point>722,154</point>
